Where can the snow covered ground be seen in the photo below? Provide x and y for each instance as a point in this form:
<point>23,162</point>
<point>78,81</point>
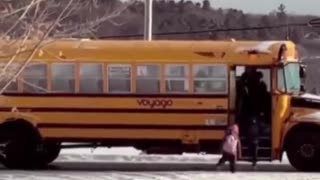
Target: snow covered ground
<point>105,151</point>
<point>133,155</point>
<point>129,155</point>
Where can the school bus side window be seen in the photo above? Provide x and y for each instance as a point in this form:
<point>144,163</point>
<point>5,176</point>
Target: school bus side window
<point>63,77</point>
<point>13,87</point>
<point>148,78</point>
<point>177,78</point>
<point>210,78</point>
<point>35,78</point>
<point>119,78</point>
<point>91,78</point>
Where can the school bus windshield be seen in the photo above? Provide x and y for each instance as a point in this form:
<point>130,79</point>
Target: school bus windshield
<point>292,82</point>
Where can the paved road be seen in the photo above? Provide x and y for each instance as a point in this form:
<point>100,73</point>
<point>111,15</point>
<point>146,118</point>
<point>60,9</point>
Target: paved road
<point>115,167</point>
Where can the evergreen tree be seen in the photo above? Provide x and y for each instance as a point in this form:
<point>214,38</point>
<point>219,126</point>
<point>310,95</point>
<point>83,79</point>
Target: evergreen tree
<point>206,5</point>
<point>282,19</point>
<point>181,7</point>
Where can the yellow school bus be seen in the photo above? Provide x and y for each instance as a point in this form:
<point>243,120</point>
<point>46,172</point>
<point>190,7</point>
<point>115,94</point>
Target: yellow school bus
<point>161,97</point>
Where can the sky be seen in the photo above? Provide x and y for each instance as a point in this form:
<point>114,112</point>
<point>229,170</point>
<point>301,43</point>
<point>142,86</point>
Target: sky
<point>265,6</point>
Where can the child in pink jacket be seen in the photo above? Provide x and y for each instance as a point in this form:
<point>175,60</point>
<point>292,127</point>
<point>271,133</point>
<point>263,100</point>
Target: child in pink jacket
<point>230,147</point>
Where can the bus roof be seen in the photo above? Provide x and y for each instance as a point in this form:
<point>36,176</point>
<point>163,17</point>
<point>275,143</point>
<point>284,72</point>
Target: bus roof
<point>157,51</point>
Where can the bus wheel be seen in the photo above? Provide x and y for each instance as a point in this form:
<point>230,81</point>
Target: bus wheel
<point>303,151</point>
<point>49,152</point>
<point>20,151</point>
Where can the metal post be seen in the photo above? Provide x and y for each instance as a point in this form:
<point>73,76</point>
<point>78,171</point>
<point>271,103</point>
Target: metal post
<point>148,20</point>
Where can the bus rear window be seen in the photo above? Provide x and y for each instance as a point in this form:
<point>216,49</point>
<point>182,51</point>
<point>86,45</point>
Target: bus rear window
<point>35,78</point>
<point>13,87</point>
<point>119,78</point>
<point>177,78</point>
<point>209,78</point>
<point>63,77</point>
<point>91,80</point>
<point>148,79</point>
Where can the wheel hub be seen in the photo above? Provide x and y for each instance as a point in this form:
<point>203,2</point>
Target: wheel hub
<point>3,147</point>
<point>307,150</point>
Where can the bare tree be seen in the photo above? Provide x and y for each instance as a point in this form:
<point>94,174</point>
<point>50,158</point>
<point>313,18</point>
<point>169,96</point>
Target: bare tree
<point>29,25</point>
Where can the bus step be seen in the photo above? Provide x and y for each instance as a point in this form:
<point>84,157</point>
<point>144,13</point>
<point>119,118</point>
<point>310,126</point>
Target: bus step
<point>259,158</point>
<point>263,141</point>
<point>260,138</point>
<point>259,148</point>
<point>261,151</point>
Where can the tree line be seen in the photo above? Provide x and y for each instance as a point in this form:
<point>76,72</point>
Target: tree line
<point>177,16</point>
<point>101,18</point>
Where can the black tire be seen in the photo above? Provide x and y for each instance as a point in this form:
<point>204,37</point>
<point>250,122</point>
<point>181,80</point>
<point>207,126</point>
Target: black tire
<point>50,152</point>
<point>303,151</point>
<point>20,151</point>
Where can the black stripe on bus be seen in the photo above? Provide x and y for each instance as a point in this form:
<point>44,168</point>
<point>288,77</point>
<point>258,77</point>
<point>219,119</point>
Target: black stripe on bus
<point>118,110</point>
<point>74,95</point>
<point>128,126</point>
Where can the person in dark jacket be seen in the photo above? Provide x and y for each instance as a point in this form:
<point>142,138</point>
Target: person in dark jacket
<point>253,138</point>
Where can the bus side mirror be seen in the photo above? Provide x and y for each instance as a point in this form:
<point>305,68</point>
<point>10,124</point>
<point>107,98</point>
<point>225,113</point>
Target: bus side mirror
<point>302,73</point>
